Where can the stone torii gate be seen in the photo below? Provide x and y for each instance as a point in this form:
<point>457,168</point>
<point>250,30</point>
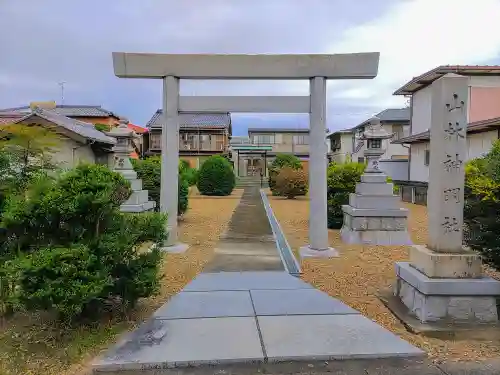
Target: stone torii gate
<point>315,68</point>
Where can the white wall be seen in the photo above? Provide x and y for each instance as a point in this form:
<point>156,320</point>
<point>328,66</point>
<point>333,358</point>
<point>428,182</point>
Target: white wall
<point>346,143</point>
<point>421,110</point>
<point>419,171</point>
<point>421,102</point>
<point>396,169</point>
<point>484,81</point>
<point>478,144</point>
<point>70,153</point>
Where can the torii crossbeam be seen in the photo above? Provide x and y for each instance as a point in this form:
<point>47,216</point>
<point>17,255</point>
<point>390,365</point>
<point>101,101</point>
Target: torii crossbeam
<point>316,68</point>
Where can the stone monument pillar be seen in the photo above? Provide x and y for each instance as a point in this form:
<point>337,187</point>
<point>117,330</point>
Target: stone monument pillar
<point>138,200</point>
<point>373,215</point>
<point>443,281</point>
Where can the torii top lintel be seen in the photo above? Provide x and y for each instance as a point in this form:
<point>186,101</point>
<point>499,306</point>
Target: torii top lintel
<point>243,66</point>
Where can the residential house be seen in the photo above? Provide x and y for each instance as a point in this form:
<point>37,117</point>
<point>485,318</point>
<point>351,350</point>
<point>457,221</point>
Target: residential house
<point>483,115</point>
<point>200,135</point>
<point>139,141</point>
<point>87,113</point>
<point>344,144</point>
<point>251,155</point>
<point>78,141</point>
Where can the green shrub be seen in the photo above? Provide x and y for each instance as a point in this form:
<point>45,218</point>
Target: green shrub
<point>73,208</point>
<point>187,173</point>
<point>70,249</point>
<point>280,161</point>
<point>291,182</point>
<point>482,205</point>
<point>216,177</point>
<point>342,180</point>
<point>67,280</point>
<point>395,188</point>
<point>149,170</point>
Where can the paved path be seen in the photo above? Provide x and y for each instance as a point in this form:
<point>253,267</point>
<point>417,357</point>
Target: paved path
<point>248,243</point>
<point>258,314</point>
<point>228,317</point>
<point>348,367</point>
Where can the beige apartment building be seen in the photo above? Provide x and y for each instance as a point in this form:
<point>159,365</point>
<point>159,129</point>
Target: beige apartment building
<point>251,155</point>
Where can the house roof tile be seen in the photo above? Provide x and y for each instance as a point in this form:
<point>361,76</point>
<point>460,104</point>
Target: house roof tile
<point>195,120</point>
<point>473,127</point>
<point>427,78</point>
<point>68,110</point>
<point>81,128</point>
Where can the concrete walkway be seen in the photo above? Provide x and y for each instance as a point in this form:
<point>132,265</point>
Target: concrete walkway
<point>248,244</point>
<point>259,314</point>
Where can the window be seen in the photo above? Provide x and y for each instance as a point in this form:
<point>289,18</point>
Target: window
<point>265,139</point>
<point>219,142</point>
<point>155,140</point>
<point>361,160</point>
<point>301,139</point>
<point>374,143</point>
<point>427,157</point>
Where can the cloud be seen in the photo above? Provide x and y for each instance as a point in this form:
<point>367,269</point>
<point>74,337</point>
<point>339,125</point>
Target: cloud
<point>46,42</point>
<point>416,36</point>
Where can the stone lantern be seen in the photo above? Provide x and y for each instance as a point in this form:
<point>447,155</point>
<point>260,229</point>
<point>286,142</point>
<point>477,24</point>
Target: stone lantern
<point>373,215</point>
<point>138,200</point>
<point>374,136</point>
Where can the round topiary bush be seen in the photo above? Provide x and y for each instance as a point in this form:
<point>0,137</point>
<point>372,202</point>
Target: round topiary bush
<point>291,182</point>
<point>216,177</point>
<point>280,161</point>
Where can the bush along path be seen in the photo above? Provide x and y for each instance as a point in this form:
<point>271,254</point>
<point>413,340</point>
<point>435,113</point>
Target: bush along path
<point>248,243</point>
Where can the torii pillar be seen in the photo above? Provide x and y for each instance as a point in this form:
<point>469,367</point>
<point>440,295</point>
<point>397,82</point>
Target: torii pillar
<point>314,68</point>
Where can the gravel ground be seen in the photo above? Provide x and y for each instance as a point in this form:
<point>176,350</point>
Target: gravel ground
<point>31,345</point>
<point>361,271</point>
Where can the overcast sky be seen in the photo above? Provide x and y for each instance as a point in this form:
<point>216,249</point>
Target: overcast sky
<point>43,42</point>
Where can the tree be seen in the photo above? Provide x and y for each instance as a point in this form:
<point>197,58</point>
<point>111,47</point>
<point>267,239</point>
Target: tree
<point>25,152</point>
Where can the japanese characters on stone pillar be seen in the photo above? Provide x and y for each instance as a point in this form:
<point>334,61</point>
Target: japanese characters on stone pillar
<point>443,281</point>
<point>448,150</point>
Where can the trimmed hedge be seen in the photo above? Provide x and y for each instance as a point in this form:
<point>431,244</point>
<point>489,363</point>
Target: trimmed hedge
<point>342,180</point>
<point>216,177</point>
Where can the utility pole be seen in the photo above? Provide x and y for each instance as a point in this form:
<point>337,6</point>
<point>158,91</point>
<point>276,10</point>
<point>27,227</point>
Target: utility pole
<point>62,91</point>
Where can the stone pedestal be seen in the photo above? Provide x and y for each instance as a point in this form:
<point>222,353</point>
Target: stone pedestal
<point>373,215</point>
<point>447,299</point>
<point>443,282</point>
